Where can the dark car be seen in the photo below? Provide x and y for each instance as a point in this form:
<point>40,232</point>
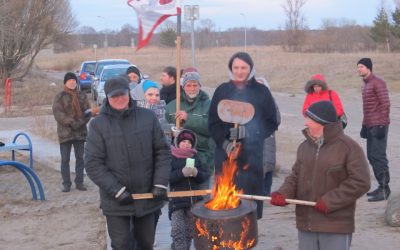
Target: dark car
<point>85,79</point>
<point>99,67</point>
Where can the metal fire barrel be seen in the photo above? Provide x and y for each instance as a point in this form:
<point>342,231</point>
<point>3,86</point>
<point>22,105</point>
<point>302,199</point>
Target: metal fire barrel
<point>225,229</point>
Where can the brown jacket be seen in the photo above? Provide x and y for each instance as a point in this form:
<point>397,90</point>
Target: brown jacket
<point>68,127</point>
<point>336,172</point>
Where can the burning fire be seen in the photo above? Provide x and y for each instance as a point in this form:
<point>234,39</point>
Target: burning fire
<point>224,195</point>
<point>227,244</point>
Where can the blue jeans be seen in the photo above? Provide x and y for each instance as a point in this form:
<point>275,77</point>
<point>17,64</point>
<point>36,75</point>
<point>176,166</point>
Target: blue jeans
<point>267,183</point>
<point>65,150</point>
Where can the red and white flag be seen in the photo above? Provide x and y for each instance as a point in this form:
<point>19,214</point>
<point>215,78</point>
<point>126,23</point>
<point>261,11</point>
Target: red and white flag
<point>152,13</point>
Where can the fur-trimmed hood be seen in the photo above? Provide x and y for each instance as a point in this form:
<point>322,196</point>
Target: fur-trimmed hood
<point>316,79</point>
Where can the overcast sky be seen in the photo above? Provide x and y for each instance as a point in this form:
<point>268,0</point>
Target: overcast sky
<point>262,14</point>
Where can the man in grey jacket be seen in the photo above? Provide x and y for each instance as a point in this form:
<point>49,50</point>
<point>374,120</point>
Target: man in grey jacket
<point>126,152</point>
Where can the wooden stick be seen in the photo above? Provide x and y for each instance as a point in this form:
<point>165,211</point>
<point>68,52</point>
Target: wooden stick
<point>173,194</point>
<point>263,198</point>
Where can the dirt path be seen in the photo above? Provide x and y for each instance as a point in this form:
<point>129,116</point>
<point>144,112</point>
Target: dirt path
<point>73,220</point>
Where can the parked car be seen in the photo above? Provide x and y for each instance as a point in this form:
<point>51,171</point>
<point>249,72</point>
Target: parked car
<point>108,72</point>
<point>85,79</point>
<point>98,69</point>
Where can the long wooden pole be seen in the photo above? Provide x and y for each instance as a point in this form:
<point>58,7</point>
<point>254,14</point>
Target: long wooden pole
<point>263,198</point>
<point>178,67</point>
<point>174,194</point>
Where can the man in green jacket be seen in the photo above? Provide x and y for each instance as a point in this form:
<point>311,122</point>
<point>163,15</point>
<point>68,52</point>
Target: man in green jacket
<point>193,115</point>
<point>330,169</point>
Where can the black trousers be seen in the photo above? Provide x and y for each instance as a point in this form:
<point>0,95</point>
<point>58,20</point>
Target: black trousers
<point>376,153</point>
<point>119,229</point>
<point>65,150</point>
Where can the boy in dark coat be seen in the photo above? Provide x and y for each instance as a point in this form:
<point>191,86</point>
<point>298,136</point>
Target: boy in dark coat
<point>187,173</point>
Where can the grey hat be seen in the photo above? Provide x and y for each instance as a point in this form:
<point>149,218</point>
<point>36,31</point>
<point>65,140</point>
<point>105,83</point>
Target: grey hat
<point>190,76</point>
<point>116,86</point>
<point>322,112</point>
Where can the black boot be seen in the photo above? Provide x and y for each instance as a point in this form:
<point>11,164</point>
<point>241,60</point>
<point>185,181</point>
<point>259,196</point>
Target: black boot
<point>66,188</point>
<point>382,194</point>
<point>81,187</point>
<point>375,192</point>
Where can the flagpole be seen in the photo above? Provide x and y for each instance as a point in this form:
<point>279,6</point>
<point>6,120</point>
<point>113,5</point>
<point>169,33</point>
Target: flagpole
<point>178,64</point>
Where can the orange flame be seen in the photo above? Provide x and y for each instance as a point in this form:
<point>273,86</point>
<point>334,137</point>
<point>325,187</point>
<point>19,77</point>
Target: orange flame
<point>227,244</point>
<point>224,195</point>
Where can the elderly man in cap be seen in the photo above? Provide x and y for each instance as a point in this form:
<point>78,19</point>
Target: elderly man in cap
<point>194,104</point>
<point>330,169</point>
<point>126,152</point>
<point>375,127</point>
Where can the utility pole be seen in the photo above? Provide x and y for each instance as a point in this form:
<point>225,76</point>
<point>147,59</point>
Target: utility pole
<point>192,14</point>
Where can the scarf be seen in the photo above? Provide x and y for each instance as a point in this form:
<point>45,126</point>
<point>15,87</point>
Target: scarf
<point>242,84</point>
<point>183,152</point>
<point>76,107</point>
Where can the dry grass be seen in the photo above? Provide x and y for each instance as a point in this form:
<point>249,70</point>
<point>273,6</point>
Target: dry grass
<point>286,72</point>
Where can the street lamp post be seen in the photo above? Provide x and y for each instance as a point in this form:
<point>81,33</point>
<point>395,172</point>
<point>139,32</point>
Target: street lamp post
<point>192,14</point>
<point>105,38</point>
<point>245,31</point>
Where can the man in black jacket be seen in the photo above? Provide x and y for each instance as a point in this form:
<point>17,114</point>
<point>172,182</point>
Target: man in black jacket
<point>168,82</point>
<point>126,152</point>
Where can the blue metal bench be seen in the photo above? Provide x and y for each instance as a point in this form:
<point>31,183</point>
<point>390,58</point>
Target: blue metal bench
<point>30,175</point>
<point>18,146</point>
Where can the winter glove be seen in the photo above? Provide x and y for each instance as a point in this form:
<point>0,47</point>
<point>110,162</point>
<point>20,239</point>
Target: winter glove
<point>321,207</point>
<point>278,199</point>
<point>194,172</point>
<point>380,132</point>
<point>159,194</point>
<point>189,171</point>
<point>229,147</point>
<point>125,198</point>
<point>363,132</point>
<point>237,133</point>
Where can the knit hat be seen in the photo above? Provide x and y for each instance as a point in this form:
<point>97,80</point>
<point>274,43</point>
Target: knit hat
<point>149,84</point>
<point>366,62</point>
<point>318,79</point>
<point>322,112</point>
<point>242,56</point>
<point>190,76</point>
<point>116,86</point>
<point>186,134</point>
<point>133,69</point>
<point>69,76</point>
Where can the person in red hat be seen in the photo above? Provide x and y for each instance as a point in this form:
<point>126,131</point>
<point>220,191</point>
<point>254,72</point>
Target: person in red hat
<point>317,90</point>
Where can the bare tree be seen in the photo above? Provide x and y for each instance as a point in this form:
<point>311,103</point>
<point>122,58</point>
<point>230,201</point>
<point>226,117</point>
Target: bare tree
<point>295,24</point>
<point>26,27</point>
<point>205,33</point>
